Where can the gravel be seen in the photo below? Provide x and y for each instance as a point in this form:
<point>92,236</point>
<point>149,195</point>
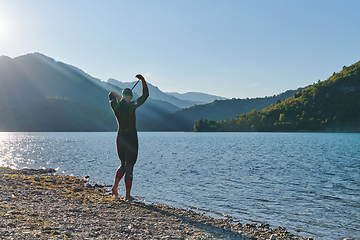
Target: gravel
<point>35,204</point>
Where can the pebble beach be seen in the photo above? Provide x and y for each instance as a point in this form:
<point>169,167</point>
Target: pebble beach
<point>37,204</point>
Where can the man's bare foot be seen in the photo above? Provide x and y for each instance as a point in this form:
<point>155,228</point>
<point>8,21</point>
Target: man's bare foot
<point>114,191</point>
<point>129,199</point>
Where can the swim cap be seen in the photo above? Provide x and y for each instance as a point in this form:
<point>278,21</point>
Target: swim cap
<point>127,92</point>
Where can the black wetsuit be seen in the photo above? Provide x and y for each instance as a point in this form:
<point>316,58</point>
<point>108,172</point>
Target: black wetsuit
<point>127,140</point>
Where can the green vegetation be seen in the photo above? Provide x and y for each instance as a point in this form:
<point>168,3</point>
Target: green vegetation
<point>183,120</point>
<point>331,105</point>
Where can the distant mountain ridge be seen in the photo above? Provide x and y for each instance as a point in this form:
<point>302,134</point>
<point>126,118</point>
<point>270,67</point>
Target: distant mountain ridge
<point>38,93</point>
<point>49,88</point>
<point>180,100</point>
<point>197,97</point>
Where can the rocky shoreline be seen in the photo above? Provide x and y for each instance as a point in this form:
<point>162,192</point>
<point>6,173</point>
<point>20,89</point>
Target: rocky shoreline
<point>37,205</point>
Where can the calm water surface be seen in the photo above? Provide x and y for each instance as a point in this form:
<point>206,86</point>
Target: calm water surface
<point>306,181</point>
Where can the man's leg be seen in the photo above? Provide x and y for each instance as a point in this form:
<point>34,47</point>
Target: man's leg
<point>119,174</point>
<point>121,170</point>
<point>128,182</point>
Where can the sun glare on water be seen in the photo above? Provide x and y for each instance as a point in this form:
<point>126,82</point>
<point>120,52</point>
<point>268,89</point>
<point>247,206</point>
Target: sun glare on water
<point>4,153</point>
<point>12,150</point>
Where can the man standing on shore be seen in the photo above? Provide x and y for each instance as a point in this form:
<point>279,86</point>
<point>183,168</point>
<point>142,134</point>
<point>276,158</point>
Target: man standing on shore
<point>126,140</point>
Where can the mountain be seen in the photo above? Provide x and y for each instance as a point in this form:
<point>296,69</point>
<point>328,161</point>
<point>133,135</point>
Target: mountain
<point>38,93</point>
<point>34,77</point>
<point>180,100</point>
<point>331,106</point>
<point>196,97</point>
<point>183,119</point>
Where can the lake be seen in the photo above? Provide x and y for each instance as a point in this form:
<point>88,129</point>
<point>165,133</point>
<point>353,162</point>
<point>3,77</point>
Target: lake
<point>306,181</point>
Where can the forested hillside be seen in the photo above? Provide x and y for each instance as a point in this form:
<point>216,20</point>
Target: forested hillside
<point>331,105</point>
<point>183,120</point>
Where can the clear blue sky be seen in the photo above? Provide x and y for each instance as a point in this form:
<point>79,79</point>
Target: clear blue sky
<point>228,48</point>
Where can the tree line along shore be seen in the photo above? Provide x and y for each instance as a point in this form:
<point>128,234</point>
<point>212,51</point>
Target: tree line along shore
<point>327,106</point>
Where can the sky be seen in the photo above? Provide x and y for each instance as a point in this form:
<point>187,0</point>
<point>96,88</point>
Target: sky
<point>228,48</point>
